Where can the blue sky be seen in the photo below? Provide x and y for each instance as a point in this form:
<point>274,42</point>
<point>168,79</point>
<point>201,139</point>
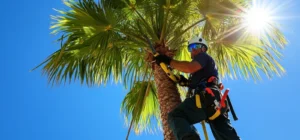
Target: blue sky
<point>32,110</point>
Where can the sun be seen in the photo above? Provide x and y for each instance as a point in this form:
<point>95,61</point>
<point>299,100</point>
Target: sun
<point>258,19</point>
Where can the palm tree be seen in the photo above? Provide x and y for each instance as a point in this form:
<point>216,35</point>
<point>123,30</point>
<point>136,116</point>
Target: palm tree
<point>107,41</point>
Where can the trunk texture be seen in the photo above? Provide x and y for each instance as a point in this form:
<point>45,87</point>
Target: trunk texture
<point>168,97</point>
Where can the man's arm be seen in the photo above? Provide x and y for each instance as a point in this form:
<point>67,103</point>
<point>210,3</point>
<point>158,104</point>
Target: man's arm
<point>185,66</point>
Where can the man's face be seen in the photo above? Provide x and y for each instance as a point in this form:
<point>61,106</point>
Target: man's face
<point>194,52</point>
<point>196,49</point>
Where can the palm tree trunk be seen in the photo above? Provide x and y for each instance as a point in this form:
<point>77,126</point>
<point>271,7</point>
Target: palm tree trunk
<point>168,97</point>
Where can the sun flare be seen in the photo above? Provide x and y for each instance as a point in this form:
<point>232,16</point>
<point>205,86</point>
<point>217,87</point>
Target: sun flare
<point>257,19</point>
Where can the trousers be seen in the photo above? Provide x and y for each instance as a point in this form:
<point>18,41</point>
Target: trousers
<point>182,119</point>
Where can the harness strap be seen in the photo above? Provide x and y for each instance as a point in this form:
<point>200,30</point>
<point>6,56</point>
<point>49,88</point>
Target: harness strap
<point>222,108</point>
<point>224,97</point>
<point>209,91</point>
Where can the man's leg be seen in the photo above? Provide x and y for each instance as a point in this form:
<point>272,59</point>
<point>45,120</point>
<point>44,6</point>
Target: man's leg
<point>182,118</point>
<point>222,129</point>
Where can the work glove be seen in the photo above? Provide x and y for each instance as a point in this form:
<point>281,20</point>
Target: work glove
<point>183,81</point>
<point>162,59</point>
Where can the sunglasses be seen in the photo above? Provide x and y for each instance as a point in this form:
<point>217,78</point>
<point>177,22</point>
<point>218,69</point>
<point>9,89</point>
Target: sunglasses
<point>194,46</point>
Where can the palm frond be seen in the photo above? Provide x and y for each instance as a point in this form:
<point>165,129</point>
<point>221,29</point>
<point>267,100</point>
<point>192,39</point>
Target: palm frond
<point>245,60</point>
<point>141,106</point>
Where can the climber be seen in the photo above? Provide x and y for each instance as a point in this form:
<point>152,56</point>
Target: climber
<point>184,116</point>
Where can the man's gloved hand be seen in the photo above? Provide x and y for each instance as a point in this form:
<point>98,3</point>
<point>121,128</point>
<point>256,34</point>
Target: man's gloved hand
<point>183,81</point>
<point>162,58</point>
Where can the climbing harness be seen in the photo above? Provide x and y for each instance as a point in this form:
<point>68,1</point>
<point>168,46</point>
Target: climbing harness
<point>215,104</point>
<point>202,93</point>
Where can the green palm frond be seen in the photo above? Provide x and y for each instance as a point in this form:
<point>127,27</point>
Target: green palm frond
<point>76,64</point>
<point>95,50</point>
<point>135,66</point>
<point>244,60</point>
<point>142,108</point>
<point>96,66</point>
